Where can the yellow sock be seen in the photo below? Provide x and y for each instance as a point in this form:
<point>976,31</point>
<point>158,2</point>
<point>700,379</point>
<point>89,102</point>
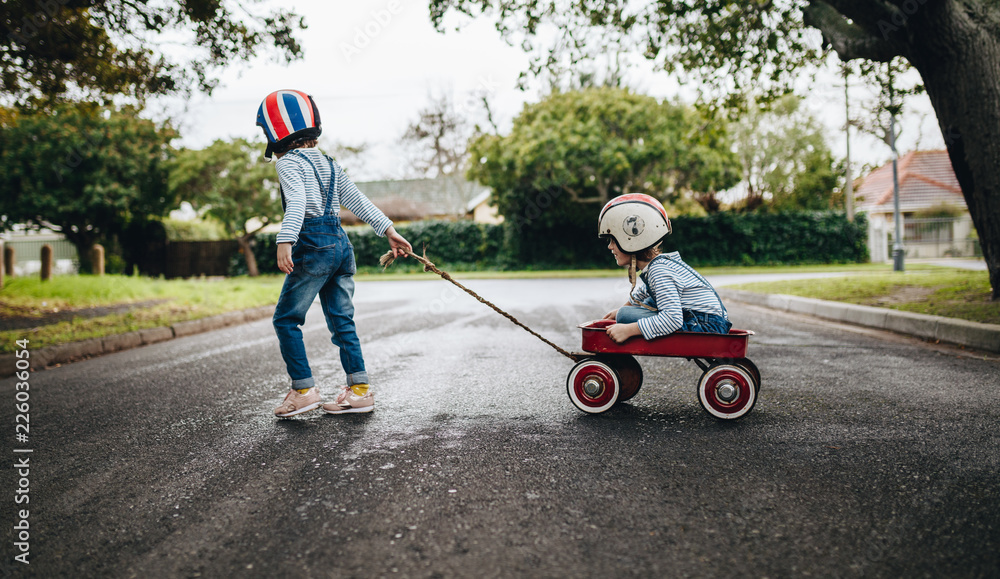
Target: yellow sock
<point>360,389</point>
<point>303,391</point>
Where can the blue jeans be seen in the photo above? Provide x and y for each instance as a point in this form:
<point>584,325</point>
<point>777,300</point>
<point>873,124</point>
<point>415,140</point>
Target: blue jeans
<point>323,264</point>
<point>694,321</point>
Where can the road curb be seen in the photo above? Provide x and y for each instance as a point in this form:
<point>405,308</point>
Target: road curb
<point>74,351</point>
<point>961,332</point>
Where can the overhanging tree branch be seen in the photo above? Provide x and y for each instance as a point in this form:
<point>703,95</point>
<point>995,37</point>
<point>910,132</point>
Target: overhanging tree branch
<point>849,39</point>
<point>861,11</point>
<point>575,196</point>
<point>56,50</point>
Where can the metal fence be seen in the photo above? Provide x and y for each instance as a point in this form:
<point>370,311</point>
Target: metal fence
<point>940,237</point>
<point>28,254</point>
<point>935,230</point>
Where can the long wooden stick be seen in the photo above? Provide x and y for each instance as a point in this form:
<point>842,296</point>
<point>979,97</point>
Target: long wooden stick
<point>387,259</point>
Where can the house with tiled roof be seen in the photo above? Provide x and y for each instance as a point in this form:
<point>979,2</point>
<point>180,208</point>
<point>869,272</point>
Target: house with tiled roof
<point>927,186</point>
<point>446,197</point>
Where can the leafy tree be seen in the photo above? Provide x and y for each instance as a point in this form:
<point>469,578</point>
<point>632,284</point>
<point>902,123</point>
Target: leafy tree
<point>92,173</point>
<point>439,138</point>
<point>814,184</point>
<point>786,163</point>
<point>51,50</point>
<point>878,115</point>
<point>227,182</point>
<point>742,48</point>
<point>569,154</point>
<point>585,147</point>
<point>352,157</point>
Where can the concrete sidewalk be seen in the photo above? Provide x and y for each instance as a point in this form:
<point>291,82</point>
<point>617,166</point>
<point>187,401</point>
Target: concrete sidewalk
<point>973,263</point>
<point>971,334</point>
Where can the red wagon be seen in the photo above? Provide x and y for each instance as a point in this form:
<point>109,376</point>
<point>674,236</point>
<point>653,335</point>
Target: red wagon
<point>609,372</point>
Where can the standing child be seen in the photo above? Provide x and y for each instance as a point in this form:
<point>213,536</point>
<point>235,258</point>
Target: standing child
<point>674,296</point>
<point>314,251</point>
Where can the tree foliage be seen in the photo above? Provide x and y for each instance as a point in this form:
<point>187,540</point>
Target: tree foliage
<point>735,47</point>
<point>227,182</point>
<point>54,50</point>
<point>567,155</point>
<point>352,157</point>
<point>95,174</point>
<point>574,151</point>
<point>439,139</point>
<point>786,163</point>
<point>756,48</point>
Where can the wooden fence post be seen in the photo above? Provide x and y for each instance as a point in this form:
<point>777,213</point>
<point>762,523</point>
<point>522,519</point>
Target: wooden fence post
<point>46,262</point>
<point>97,257</point>
<point>9,259</point>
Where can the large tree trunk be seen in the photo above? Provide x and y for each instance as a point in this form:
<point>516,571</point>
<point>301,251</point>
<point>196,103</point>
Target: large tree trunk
<point>959,60</point>
<point>84,243</point>
<point>251,259</point>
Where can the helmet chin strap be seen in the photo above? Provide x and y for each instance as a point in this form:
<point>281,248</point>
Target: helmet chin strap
<point>631,272</point>
<point>631,279</point>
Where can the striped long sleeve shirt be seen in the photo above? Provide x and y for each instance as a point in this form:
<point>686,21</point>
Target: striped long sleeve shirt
<point>674,287</point>
<point>304,197</point>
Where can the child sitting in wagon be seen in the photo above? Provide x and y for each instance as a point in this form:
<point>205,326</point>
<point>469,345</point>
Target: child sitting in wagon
<point>673,295</point>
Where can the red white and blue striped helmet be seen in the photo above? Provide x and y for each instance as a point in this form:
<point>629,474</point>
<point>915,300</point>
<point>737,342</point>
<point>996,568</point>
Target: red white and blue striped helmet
<point>288,116</point>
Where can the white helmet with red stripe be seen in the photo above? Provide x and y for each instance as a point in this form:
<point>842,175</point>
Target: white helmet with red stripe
<point>288,116</point>
<point>636,221</point>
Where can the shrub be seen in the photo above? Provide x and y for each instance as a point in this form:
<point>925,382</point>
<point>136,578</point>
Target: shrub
<point>717,239</point>
<point>474,245</point>
<point>769,238</point>
<point>448,242</point>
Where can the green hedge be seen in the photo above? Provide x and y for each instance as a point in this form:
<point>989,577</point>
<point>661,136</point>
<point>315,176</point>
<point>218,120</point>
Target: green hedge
<point>474,245</point>
<point>463,245</point>
<point>718,239</point>
<point>769,238</point>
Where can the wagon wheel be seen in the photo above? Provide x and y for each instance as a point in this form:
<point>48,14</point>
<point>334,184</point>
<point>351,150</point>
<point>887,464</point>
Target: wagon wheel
<point>751,369</point>
<point>593,386</point>
<point>629,373</point>
<point>726,391</point>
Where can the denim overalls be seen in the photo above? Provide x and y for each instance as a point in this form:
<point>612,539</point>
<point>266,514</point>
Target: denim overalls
<point>323,264</point>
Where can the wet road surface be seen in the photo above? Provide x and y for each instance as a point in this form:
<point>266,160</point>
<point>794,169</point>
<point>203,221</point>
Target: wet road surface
<point>867,455</point>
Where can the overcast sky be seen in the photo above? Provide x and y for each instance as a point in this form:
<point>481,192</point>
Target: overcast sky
<point>372,65</point>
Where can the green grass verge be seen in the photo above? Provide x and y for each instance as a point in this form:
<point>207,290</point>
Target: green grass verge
<point>936,291</point>
<point>821,268</point>
<point>181,300</point>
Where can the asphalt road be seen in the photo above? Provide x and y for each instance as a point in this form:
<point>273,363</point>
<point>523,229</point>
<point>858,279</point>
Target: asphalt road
<point>867,455</point>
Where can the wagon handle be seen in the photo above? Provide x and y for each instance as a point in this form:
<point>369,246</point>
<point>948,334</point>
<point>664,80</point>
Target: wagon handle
<point>386,260</point>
